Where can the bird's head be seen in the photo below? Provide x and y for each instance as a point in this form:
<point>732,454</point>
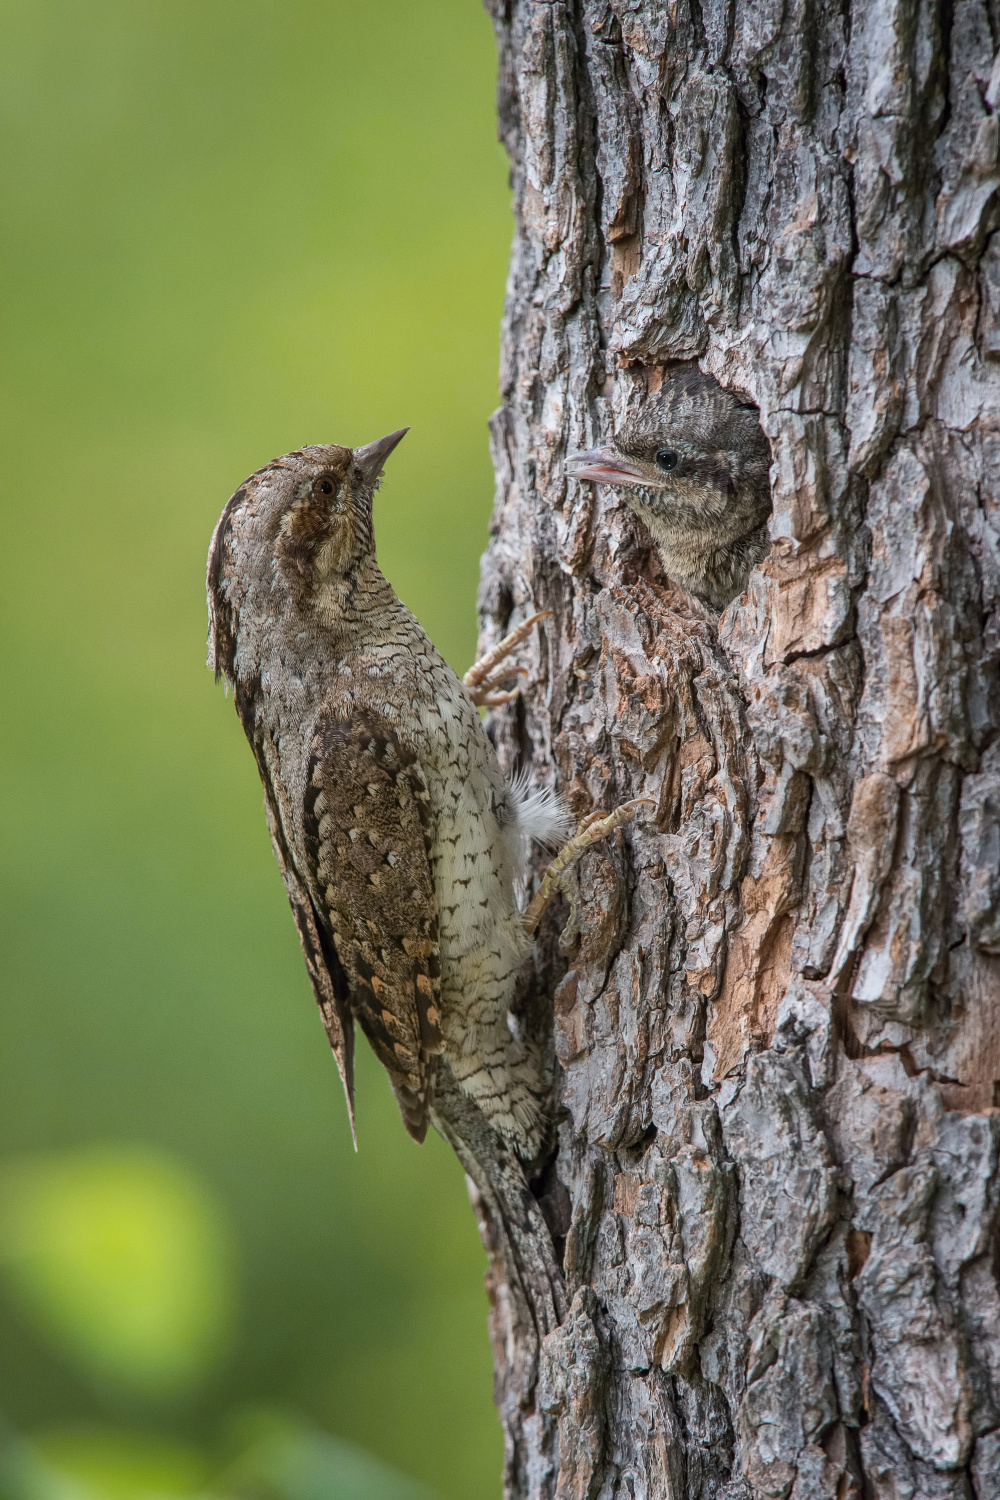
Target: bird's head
<point>304,521</point>
<point>690,452</point>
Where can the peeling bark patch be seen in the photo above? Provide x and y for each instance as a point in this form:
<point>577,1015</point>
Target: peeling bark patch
<point>858,1245</point>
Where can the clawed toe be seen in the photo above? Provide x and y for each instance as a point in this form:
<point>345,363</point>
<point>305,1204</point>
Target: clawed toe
<point>486,678</point>
<point>594,827</point>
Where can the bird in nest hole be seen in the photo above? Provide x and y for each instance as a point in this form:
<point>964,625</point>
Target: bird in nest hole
<point>400,840</point>
<point>693,463</point>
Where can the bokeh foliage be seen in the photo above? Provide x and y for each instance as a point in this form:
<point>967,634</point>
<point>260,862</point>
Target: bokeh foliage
<point>122,1261</point>
<point>230,227</point>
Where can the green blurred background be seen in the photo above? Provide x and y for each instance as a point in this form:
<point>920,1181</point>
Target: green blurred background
<point>229,227</point>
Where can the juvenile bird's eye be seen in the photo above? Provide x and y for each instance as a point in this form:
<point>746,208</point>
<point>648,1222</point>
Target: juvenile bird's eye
<point>666,459</point>
<point>325,487</point>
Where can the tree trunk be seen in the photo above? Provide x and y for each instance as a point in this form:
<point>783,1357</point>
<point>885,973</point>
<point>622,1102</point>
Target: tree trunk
<point>763,1260</point>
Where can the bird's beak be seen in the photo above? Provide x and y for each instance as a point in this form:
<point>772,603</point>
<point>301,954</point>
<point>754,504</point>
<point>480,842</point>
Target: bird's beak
<point>603,466</point>
<point>370,460</point>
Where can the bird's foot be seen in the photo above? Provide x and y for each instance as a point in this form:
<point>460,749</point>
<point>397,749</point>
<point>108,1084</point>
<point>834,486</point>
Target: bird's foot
<point>486,678</point>
<point>595,826</point>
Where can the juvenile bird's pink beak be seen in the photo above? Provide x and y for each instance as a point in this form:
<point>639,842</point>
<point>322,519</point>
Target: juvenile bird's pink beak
<point>603,466</point>
<point>370,459</point>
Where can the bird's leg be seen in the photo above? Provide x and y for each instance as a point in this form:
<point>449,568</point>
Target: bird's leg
<point>595,826</point>
<point>486,677</point>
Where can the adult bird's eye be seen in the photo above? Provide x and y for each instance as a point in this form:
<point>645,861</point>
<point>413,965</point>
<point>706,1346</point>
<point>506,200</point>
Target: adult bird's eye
<point>325,487</point>
<point>666,459</point>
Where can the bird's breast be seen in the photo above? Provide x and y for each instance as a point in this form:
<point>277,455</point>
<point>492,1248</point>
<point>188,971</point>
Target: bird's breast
<point>479,925</point>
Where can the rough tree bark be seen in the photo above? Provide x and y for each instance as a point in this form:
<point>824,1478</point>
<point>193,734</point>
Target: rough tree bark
<point>770,1260</point>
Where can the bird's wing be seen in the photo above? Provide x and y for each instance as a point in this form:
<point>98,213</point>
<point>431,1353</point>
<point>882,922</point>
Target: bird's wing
<point>329,982</point>
<point>368,838</point>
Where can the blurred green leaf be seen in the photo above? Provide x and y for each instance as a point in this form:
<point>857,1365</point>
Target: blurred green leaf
<point>122,1258</point>
<point>279,1458</point>
<point>24,1475</point>
<point>285,1460</point>
<point>102,1464</point>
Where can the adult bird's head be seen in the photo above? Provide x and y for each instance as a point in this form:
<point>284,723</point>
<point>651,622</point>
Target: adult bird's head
<point>302,527</point>
<point>693,463</point>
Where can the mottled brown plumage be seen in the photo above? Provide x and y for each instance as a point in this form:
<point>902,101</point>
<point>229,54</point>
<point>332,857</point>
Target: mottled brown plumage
<point>397,835</point>
<point>368,844</point>
<point>693,463</point>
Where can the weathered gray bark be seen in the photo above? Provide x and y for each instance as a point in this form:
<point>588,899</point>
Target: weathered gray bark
<point>774,1206</point>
